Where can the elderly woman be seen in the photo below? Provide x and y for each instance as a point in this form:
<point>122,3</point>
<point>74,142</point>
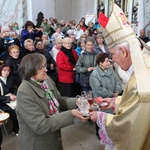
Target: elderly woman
<point>38,107</point>
<point>28,48</point>
<point>86,63</point>
<point>56,48</point>
<point>5,41</point>
<point>78,32</point>
<point>46,41</point>
<point>58,33</point>
<point>104,81</point>
<point>51,64</point>
<point>66,60</point>
<point>13,61</point>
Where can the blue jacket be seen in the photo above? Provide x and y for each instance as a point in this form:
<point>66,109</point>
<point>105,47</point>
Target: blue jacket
<point>26,35</point>
<point>78,50</point>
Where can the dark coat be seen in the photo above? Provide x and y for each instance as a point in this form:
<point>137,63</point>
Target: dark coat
<point>4,44</point>
<point>49,59</point>
<point>14,64</point>
<point>85,61</point>
<point>26,35</point>
<point>7,88</point>
<point>99,50</point>
<point>145,39</point>
<point>24,52</point>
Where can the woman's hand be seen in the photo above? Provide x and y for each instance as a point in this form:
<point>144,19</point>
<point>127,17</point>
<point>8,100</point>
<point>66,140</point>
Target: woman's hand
<point>12,97</point>
<point>52,66</point>
<point>79,115</point>
<point>90,69</point>
<point>38,29</point>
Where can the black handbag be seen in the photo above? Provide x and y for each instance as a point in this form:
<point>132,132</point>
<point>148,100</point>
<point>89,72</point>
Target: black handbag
<point>84,79</point>
<point>77,77</point>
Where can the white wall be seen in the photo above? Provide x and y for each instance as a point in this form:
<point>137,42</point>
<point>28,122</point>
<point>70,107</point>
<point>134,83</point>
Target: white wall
<point>10,11</point>
<point>78,9</point>
<point>47,7</point>
<point>23,10</point>
<point>147,17</point>
<point>81,7</point>
<point>63,9</point>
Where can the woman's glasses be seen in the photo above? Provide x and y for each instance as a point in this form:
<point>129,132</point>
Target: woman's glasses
<point>43,67</point>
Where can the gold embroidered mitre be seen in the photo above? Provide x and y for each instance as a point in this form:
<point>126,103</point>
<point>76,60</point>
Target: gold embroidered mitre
<point>116,30</point>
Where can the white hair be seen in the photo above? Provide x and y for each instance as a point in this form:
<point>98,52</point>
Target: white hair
<point>4,28</point>
<point>66,39</point>
<point>62,21</point>
<point>124,44</point>
<point>27,41</point>
<point>57,40</point>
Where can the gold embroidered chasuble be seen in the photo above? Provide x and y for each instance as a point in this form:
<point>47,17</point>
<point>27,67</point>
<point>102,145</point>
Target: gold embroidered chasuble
<point>129,129</point>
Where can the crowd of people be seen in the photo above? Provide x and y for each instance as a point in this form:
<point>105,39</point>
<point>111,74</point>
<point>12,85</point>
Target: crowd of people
<point>38,67</point>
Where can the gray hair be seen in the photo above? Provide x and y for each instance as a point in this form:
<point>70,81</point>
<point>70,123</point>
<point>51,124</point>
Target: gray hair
<point>66,39</point>
<point>57,40</point>
<point>124,44</point>
<point>26,42</point>
<point>62,21</point>
<point>4,28</point>
<point>30,64</point>
<point>90,39</point>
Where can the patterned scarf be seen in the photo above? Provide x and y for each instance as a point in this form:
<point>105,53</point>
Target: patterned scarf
<point>53,103</point>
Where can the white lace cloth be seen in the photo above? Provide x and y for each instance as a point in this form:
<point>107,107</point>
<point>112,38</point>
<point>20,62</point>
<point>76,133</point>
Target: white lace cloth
<point>104,137</point>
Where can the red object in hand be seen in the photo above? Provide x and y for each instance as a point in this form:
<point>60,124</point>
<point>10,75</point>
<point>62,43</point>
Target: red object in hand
<point>103,104</point>
<point>98,100</point>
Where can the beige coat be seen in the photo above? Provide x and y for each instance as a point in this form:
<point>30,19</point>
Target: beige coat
<point>39,130</point>
<point>129,129</point>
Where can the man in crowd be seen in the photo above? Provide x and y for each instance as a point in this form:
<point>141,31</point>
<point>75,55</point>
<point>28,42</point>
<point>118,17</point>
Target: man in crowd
<point>143,36</point>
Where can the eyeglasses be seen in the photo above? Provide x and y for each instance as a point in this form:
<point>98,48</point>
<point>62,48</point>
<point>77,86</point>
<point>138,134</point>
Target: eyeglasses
<point>43,67</point>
